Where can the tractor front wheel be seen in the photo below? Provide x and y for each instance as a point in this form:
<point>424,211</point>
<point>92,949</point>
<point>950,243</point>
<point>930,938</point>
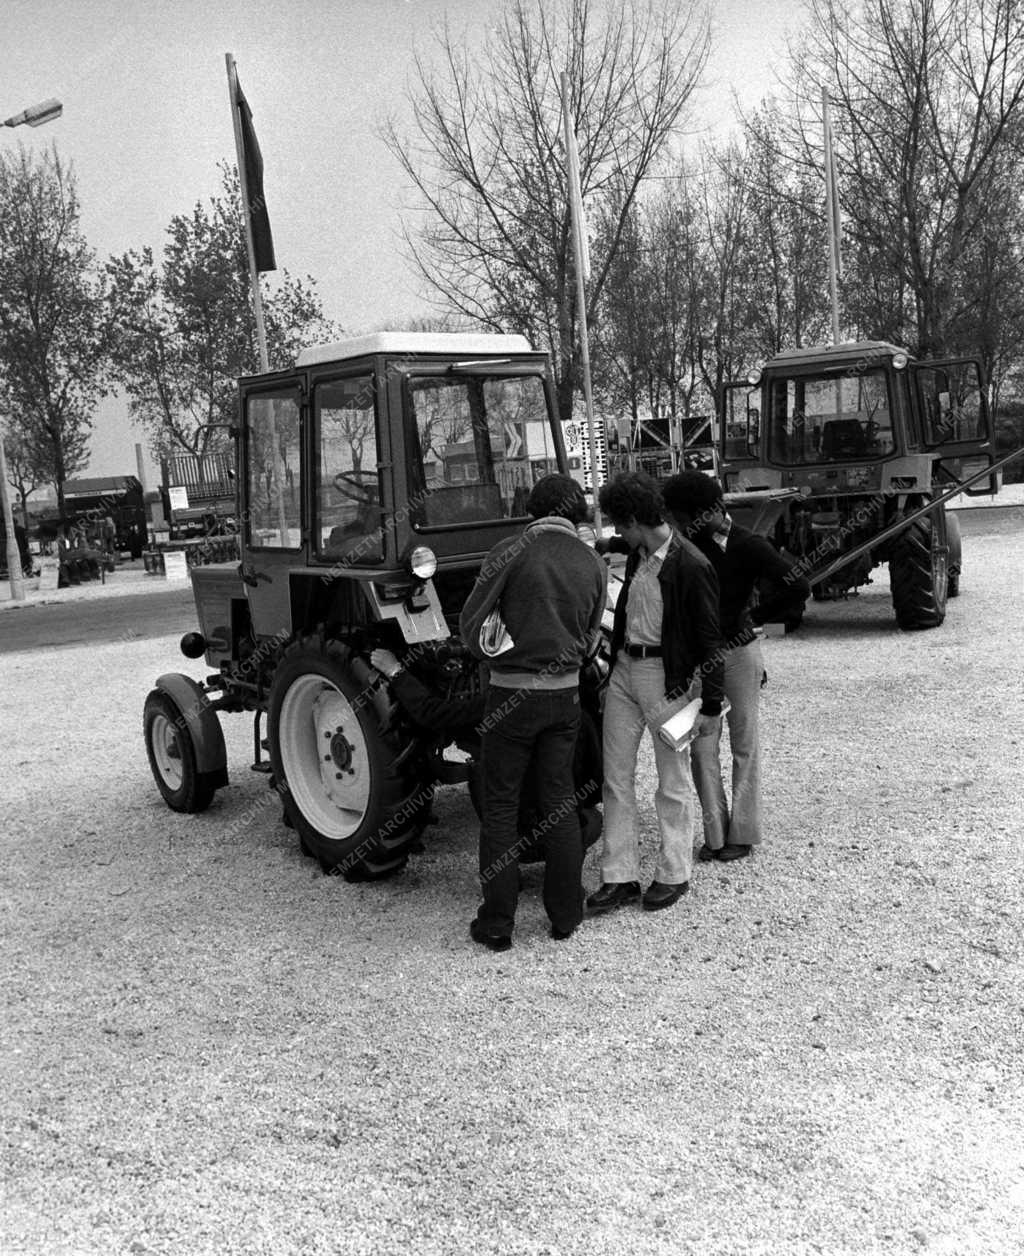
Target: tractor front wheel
<point>919,572</point>
<point>348,771</point>
<point>172,756</point>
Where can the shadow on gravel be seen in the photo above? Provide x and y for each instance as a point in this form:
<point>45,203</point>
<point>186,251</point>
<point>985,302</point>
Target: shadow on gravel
<point>863,615</point>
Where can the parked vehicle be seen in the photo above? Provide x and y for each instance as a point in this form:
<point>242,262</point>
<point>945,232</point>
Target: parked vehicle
<point>206,482</point>
<point>844,456</point>
<point>373,478</point>
<point>88,502</point>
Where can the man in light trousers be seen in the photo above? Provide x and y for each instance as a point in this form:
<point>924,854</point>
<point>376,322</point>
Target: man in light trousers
<point>665,645</point>
<point>743,562</point>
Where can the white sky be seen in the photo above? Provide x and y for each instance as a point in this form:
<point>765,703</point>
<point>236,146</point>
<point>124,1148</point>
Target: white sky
<point>146,119</point>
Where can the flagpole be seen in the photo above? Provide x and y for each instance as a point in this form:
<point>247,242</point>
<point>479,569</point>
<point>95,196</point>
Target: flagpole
<point>254,279</point>
<point>575,201</point>
<point>831,214</point>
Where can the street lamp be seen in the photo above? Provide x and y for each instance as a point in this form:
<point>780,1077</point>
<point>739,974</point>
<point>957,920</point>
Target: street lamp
<point>34,115</point>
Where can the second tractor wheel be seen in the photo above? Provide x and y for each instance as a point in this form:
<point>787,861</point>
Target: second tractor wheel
<point>349,777</point>
<point>955,555</point>
<point>919,573</point>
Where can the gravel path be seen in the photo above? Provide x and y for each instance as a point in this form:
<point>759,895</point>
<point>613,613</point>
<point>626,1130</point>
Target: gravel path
<point>210,1047</point>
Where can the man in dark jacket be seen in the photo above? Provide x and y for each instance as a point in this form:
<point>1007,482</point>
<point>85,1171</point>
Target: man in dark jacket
<point>550,589</point>
<point>665,646</point>
<point>742,561</point>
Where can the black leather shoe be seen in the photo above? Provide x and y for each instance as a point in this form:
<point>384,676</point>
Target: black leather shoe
<point>658,895</point>
<point>706,854</point>
<point>613,895</point>
<point>729,852</point>
<point>562,935</point>
<point>493,941</point>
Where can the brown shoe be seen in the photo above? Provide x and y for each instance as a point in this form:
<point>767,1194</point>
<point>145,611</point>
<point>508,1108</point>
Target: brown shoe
<point>658,895</point>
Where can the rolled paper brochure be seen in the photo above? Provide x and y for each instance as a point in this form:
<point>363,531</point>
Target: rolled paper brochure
<point>495,638</point>
<point>680,729</point>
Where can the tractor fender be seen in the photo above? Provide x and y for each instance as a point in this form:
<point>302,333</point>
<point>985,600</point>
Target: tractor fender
<point>201,721</point>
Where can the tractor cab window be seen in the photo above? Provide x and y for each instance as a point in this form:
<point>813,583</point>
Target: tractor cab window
<point>951,403</point>
<point>273,454</point>
<point>479,443</point>
<point>829,418</point>
<point>741,427</point>
<point>348,525</point>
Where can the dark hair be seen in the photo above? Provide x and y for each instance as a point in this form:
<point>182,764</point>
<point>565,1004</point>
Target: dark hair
<point>632,495</point>
<point>557,495</point>
<point>692,493</point>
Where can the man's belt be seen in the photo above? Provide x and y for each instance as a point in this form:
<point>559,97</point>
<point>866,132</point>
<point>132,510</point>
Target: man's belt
<point>643,651</point>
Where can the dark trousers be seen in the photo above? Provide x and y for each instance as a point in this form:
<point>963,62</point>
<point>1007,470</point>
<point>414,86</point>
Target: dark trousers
<point>520,725</point>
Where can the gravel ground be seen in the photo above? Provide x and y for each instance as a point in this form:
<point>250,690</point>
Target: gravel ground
<point>210,1047</point>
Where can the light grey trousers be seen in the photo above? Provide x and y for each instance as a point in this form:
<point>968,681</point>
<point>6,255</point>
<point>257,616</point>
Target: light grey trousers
<point>740,826</point>
<point>635,703</point>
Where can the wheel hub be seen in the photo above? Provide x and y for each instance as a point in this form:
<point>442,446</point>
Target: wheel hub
<point>324,756</point>
<point>342,751</point>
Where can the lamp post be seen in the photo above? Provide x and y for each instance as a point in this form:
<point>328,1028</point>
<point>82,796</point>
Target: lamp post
<point>34,115</point>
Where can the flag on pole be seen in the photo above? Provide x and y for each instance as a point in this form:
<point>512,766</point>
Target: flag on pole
<point>259,220</point>
<point>575,193</point>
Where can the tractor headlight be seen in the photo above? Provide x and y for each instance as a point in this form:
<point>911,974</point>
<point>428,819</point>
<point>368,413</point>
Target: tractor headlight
<point>754,377</point>
<point>422,562</point>
<point>900,360</point>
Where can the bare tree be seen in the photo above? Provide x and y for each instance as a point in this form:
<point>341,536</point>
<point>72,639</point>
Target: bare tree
<point>487,159</point>
<point>648,321</point>
<point>55,326</point>
<point>721,270</point>
<point>929,102</point>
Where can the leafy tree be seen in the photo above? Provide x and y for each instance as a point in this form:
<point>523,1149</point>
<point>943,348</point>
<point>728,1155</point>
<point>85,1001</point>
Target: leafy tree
<point>785,252</point>
<point>187,329</point>
<point>719,271</point>
<point>648,322</point>
<point>27,466</point>
<point>487,157</point>
<point>55,325</point>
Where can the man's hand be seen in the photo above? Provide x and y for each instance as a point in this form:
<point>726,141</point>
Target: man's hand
<point>707,724</point>
<point>386,662</point>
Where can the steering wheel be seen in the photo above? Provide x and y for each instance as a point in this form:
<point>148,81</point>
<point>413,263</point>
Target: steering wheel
<point>346,482</point>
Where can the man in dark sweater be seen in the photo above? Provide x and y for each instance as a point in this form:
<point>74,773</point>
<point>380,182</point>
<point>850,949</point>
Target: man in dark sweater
<point>741,561</point>
<point>550,589</point>
<point>459,716</point>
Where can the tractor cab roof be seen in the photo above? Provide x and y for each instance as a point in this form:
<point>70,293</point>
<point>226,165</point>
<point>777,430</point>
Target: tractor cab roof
<point>415,344</point>
<point>851,351</point>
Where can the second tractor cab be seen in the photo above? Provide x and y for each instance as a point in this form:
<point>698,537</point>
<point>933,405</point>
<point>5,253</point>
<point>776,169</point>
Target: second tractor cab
<point>831,451</point>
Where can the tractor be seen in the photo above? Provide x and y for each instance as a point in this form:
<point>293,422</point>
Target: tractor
<point>373,478</point>
<point>845,457</point>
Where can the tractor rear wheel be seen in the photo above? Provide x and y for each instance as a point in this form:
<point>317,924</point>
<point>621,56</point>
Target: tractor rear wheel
<point>349,771</point>
<point>919,573</point>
